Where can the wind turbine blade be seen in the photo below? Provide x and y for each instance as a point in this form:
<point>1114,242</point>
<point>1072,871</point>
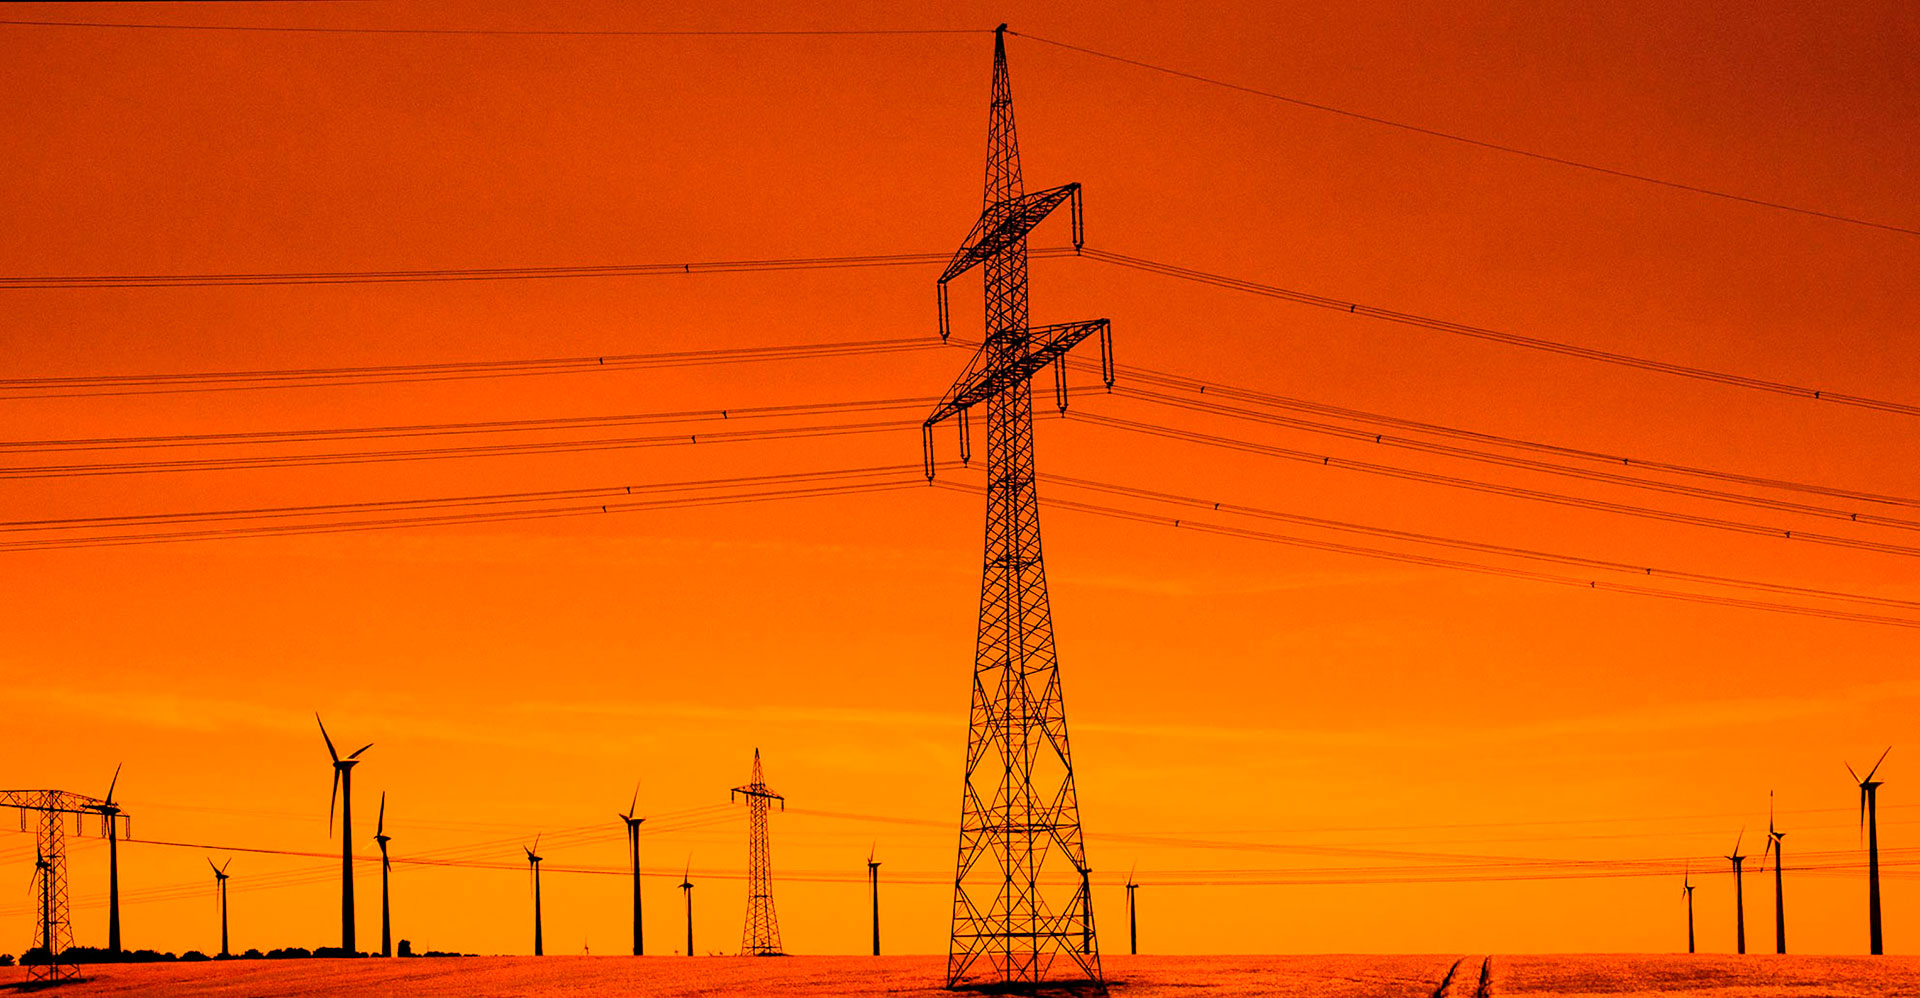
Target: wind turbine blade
<point>323,734</point>
<point>363,748</point>
<point>635,806</point>
<point>536,839</point>
<point>216,870</point>
<point>1877,762</point>
<point>333,801</point>
<point>380,824</point>
<point>223,866</point>
<point>115,783</point>
<point>1850,772</point>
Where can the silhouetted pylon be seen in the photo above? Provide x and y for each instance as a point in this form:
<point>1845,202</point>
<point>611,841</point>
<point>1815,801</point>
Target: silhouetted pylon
<point>1686,887</point>
<point>686,891</point>
<point>1869,795</point>
<point>1739,899</point>
<point>220,889</point>
<point>343,797</point>
<point>533,867</point>
<point>1020,810</point>
<point>1774,845</point>
<point>873,895</point>
<point>633,862</point>
<point>761,934</point>
<point>381,838</point>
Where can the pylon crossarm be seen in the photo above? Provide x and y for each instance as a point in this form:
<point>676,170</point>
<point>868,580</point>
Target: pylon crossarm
<point>989,372</point>
<point>57,801</point>
<point>1007,222</point>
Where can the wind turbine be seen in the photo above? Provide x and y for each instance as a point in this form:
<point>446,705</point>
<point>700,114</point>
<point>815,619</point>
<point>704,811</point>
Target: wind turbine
<point>1774,845</point>
<point>110,825</point>
<point>686,888</point>
<point>1739,901</point>
<point>220,888</point>
<point>343,780</point>
<point>1868,793</point>
<point>381,837</point>
<point>533,864</point>
<point>873,892</point>
<point>1686,887</point>
<point>1133,923</point>
<point>633,859</point>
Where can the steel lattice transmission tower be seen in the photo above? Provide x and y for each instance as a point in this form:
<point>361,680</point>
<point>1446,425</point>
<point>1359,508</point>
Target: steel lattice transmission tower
<point>48,810</point>
<point>761,935</point>
<point>1019,815</point>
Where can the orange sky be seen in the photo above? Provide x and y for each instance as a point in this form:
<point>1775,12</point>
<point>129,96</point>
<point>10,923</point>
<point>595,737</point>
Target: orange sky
<point>518,677</point>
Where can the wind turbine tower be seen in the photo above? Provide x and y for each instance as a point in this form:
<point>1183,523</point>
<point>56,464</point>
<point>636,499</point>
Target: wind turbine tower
<point>111,820</point>
<point>1019,811</point>
<point>1869,793</point>
<point>1774,845</point>
<point>381,838</point>
<point>761,935</point>
<point>633,861</point>
<point>343,797</point>
<point>686,890</point>
<point>533,867</point>
<point>873,895</point>
<point>1133,923</point>
<point>1739,901</point>
<point>1686,887</point>
<point>220,888</point>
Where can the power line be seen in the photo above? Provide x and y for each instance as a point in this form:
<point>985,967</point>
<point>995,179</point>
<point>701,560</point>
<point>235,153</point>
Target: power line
<point>819,490</point>
<point>1431,561</point>
<point>1242,394</point>
<point>91,386</point>
<point>1479,546</point>
<point>271,461</point>
<point>1478,143</point>
<point>522,32</point>
<point>1491,488</point>
<point>443,502</point>
<point>335,434</point>
<point>1497,336</point>
<point>420,276</point>
<point>1525,464</point>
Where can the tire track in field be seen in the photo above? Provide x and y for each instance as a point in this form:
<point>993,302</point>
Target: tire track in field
<point>1457,985</point>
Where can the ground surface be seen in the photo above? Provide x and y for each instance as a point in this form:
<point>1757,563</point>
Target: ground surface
<point>1145,977</point>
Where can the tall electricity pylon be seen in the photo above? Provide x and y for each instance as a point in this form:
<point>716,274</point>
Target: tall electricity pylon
<point>54,929</point>
<point>1019,813</point>
<point>761,936</point>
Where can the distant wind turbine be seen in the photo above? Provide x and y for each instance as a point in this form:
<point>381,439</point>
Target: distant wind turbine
<point>343,781</point>
<point>110,821</point>
<point>1774,845</point>
<point>1739,900</point>
<point>1686,887</point>
<point>381,837</point>
<point>873,893</point>
<point>1869,793</point>
<point>1133,923</point>
<point>633,860</point>
<point>220,888</point>
<point>533,866</point>
<point>686,888</point>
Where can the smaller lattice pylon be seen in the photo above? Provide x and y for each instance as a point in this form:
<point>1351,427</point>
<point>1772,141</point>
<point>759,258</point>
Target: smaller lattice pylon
<point>761,934</point>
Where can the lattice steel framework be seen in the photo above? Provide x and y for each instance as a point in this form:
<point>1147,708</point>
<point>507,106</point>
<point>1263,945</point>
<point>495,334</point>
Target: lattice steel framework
<point>1021,894</point>
<point>761,934</point>
<point>47,811</point>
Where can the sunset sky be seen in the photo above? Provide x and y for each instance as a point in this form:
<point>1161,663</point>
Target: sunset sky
<point>1436,747</point>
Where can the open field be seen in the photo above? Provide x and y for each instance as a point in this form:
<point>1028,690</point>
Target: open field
<point>1196,976</point>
